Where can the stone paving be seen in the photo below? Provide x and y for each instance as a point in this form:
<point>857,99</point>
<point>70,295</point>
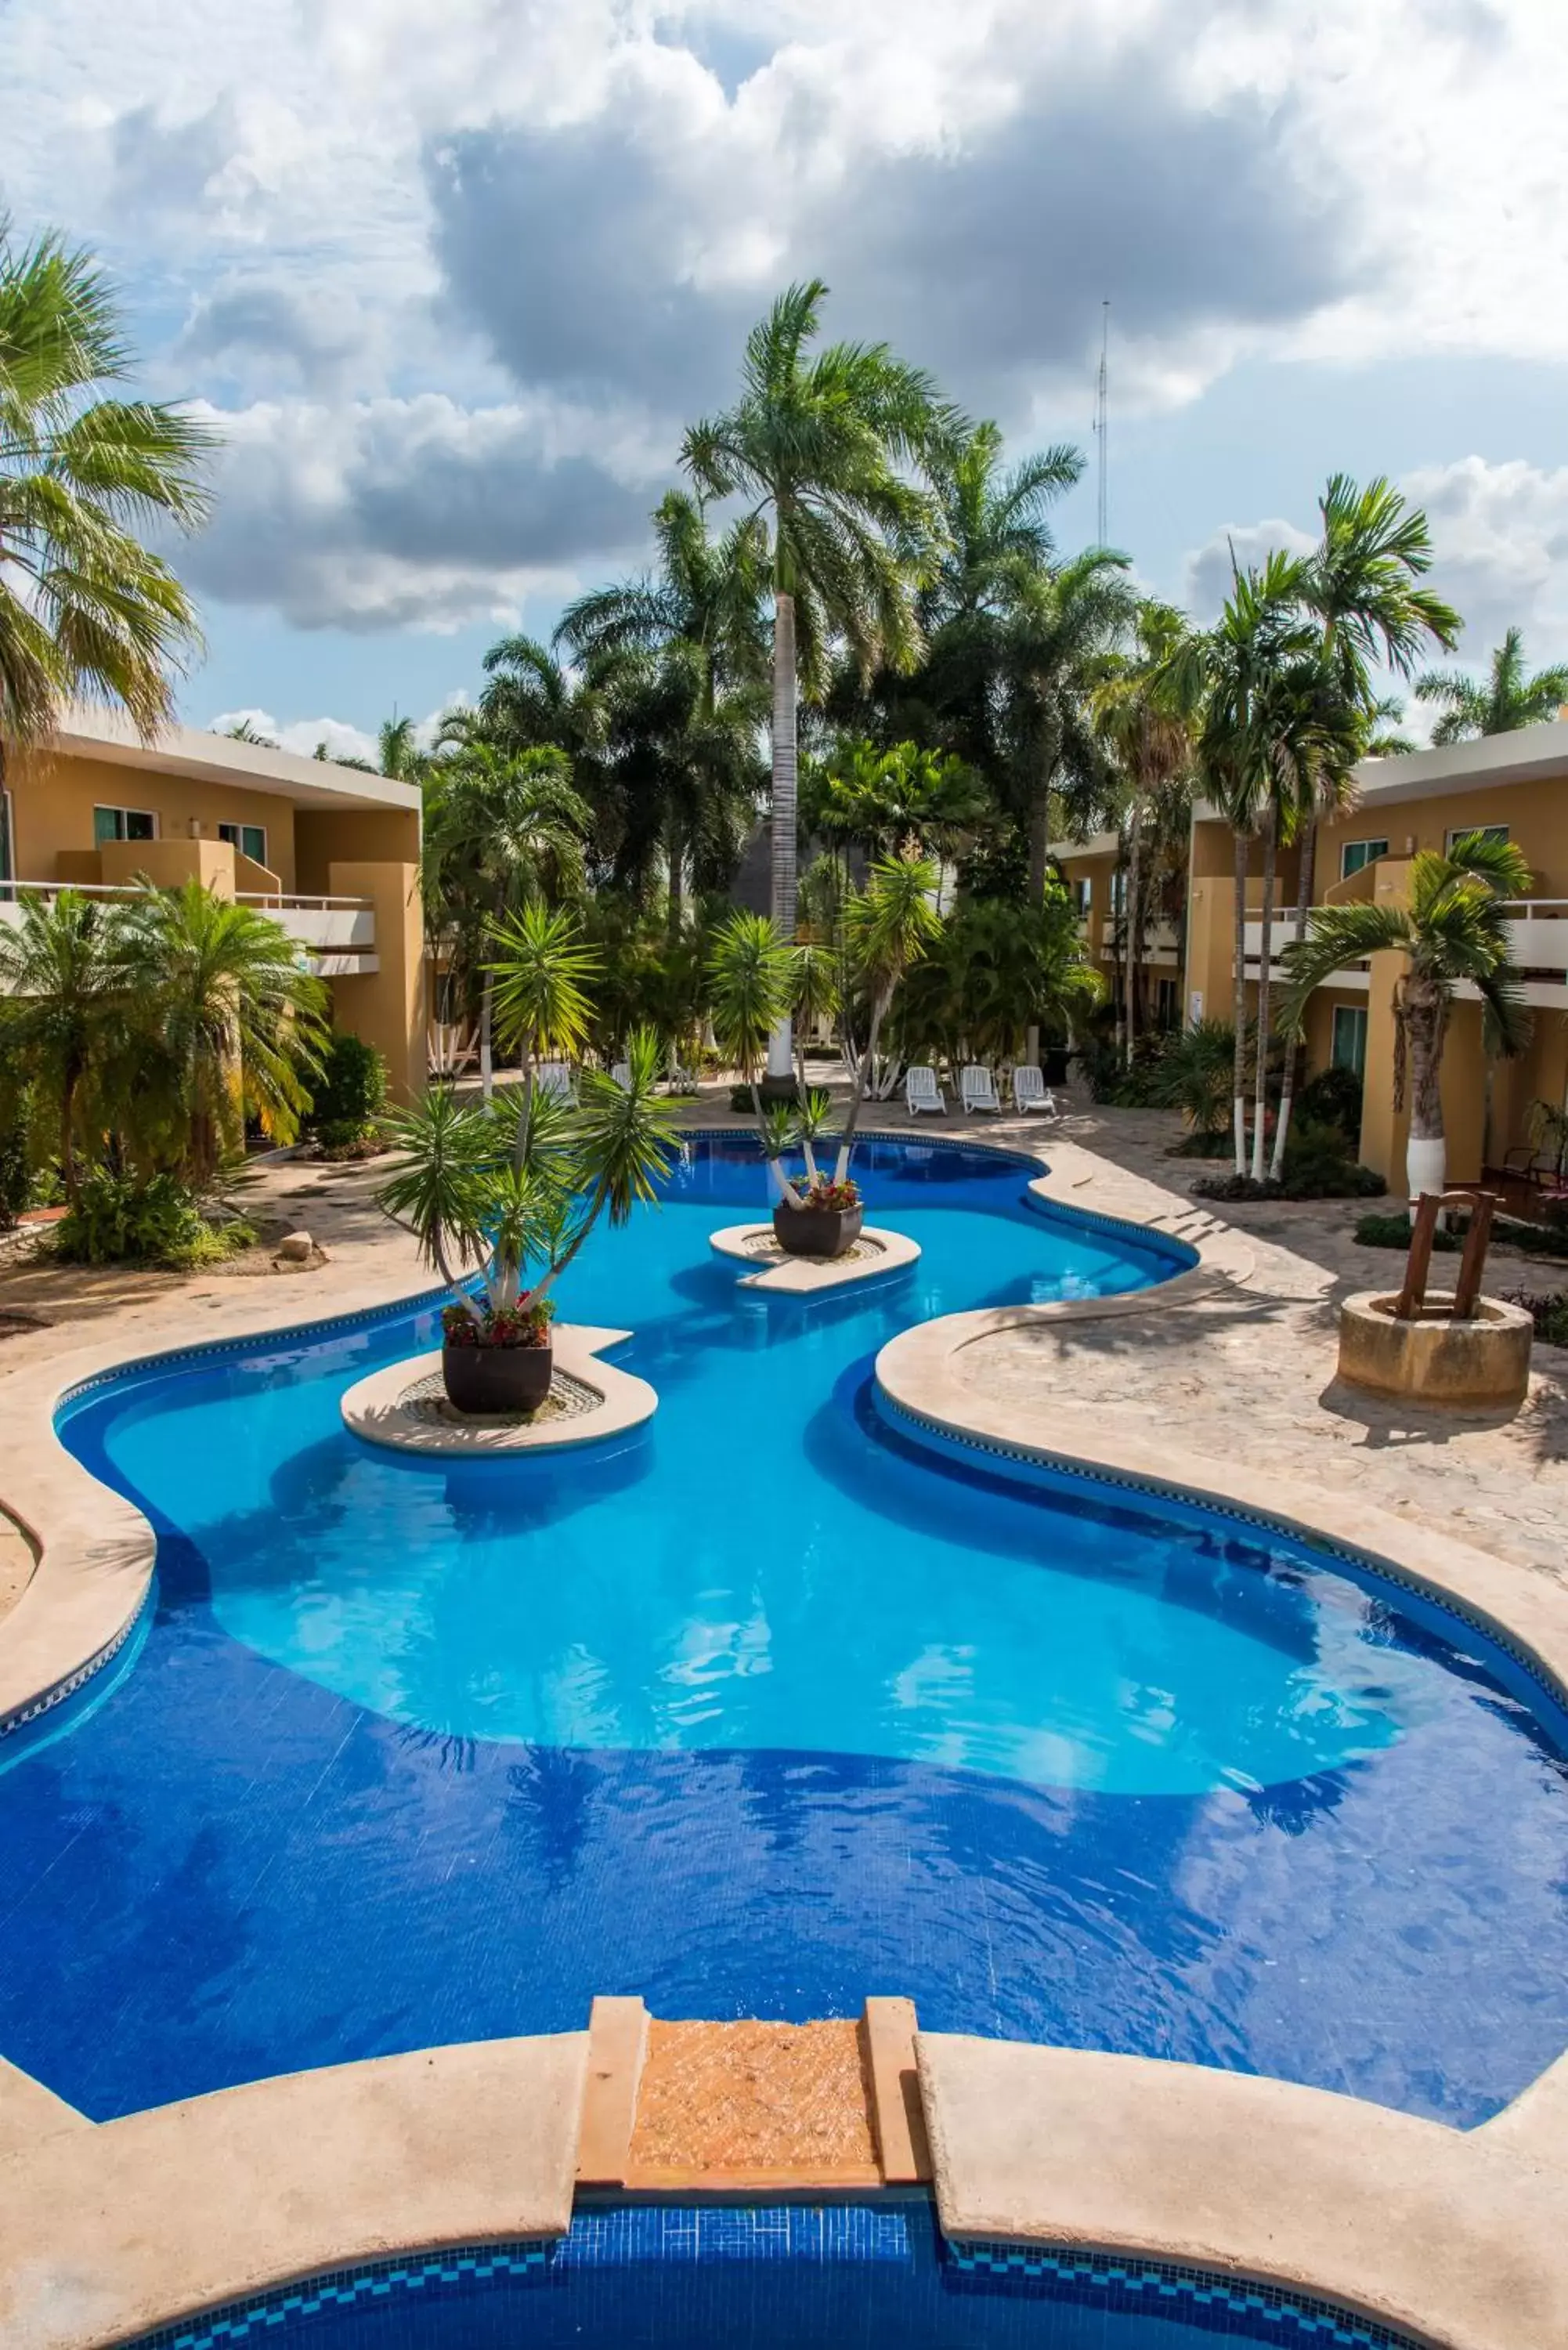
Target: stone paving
<point>1248,1374</point>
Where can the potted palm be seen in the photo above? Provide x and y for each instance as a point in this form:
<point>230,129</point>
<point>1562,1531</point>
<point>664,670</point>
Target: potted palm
<point>509,1190</point>
<point>754,978</point>
<point>1451,927</point>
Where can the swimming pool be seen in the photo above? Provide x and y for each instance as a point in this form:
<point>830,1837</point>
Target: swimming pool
<point>760,1711</point>
<point>785,2277</point>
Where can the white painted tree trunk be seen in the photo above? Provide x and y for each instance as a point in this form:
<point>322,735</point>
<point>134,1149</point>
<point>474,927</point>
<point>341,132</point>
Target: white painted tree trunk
<point>783,861</point>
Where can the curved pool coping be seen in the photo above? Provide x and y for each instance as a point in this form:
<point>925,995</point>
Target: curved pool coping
<point>111,2230</point>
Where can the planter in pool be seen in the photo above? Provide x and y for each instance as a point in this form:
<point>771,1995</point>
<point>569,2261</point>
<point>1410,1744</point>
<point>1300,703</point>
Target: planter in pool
<point>817,1232</point>
<point>496,1378</point>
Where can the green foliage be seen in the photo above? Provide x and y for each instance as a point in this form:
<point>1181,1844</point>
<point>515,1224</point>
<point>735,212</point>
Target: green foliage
<point>86,612</point>
<point>1549,1313</point>
<point>350,1090</point>
<point>1392,1232</point>
<point>1510,699</point>
<point>1194,1074</point>
<point>751,981</point>
<point>1333,1097</point>
<point>905,799</point>
<point>1319,1164</point>
<point>16,1170</point>
<point>997,970</point>
<point>119,1219</point>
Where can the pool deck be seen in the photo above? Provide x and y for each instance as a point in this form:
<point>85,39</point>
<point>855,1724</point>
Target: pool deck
<point>1220,1383</point>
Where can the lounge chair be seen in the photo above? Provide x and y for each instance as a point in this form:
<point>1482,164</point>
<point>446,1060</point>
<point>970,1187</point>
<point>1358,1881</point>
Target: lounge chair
<point>1030,1090</point>
<point>621,1074</point>
<point>555,1079</point>
<point>921,1091</point>
<point>977,1089</point>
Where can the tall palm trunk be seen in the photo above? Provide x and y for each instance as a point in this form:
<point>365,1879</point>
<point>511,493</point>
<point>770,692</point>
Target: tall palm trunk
<point>880,1003</point>
<point>1265,966</point>
<point>1304,886</point>
<point>1135,928</point>
<point>784,807</point>
<point>486,1034</point>
<point>1238,1010</point>
<point>675,852</point>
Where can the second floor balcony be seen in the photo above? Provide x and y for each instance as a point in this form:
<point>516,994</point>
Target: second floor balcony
<point>338,934</point>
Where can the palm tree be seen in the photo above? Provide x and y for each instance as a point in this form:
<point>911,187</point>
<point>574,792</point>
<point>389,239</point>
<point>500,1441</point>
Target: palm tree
<point>1243,683</point>
<point>85,609</point>
<point>813,449</point>
<point>708,592</point>
<point>228,1021</point>
<point>1149,741</point>
<point>1510,699</point>
<point>1452,929</point>
<point>61,1011</point>
<point>889,926</point>
<point>1053,644</point>
<point>501,830</point>
<point>999,971</point>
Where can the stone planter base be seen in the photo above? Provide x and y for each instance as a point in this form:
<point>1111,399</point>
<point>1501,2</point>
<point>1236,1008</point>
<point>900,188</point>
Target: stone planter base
<point>1479,1365</point>
<point>402,1405</point>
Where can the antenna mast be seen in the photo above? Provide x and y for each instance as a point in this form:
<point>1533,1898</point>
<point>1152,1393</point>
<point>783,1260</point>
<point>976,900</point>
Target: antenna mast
<point>1102,422</point>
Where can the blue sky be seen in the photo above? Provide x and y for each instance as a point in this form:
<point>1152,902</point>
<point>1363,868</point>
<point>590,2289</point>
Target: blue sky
<point>451,277</point>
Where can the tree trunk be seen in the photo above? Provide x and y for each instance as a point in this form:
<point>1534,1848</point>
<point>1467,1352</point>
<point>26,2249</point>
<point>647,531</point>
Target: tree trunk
<point>1304,886</point>
<point>1039,846</point>
<point>1119,943</point>
<point>1426,1016</point>
<point>857,1091</point>
<point>67,1155</point>
<point>783,840</point>
<point>1265,965</point>
<point>1135,929</point>
<point>1239,1007</point>
<point>486,1016</point>
<point>676,855</point>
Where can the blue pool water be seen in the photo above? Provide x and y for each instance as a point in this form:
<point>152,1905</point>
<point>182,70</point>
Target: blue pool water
<point>790,2277</point>
<point>761,1712</point>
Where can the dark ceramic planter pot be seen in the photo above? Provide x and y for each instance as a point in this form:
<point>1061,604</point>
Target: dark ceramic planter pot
<point>496,1378</point>
<point>816,1232</point>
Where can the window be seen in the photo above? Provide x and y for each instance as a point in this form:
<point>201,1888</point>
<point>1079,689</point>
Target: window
<point>1084,897</point>
<point>1357,855</point>
<point>1119,891</point>
<point>1468,831</point>
<point>123,824</point>
<point>1349,1049</point>
<point>1167,1012</point>
<point>250,839</point>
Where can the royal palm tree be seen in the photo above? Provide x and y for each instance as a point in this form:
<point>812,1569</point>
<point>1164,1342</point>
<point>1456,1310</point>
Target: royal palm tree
<point>1149,740</point>
<point>227,1021</point>
<point>707,592</point>
<point>1054,645</point>
<point>1452,929</point>
<point>501,830</point>
<point>1510,699</point>
<point>816,450</point>
<point>61,1013</point>
<point>86,611</point>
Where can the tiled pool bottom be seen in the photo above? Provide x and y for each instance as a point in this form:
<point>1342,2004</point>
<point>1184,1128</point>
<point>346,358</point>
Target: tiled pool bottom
<point>788,2277</point>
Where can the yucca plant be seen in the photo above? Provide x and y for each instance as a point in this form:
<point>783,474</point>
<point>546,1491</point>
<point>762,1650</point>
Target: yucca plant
<point>511,1189</point>
<point>889,926</point>
<point>1451,929</point>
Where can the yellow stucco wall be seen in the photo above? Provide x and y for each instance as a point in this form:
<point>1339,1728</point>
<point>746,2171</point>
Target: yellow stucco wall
<point>387,1007</point>
<point>53,799</point>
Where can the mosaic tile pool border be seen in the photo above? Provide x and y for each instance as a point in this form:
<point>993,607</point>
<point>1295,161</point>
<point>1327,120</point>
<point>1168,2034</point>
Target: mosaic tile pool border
<point>936,1434</point>
<point>1209,2298</point>
<point>857,2234</point>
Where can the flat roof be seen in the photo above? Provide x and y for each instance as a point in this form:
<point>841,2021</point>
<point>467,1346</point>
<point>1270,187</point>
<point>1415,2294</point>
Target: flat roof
<point>219,759</point>
<point>1098,844</point>
<point>1529,752</point>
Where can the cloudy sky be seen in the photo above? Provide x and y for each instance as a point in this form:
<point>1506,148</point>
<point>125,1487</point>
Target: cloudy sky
<point>451,273</point>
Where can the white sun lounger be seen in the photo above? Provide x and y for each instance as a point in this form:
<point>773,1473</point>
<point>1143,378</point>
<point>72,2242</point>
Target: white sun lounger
<point>977,1089</point>
<point>1030,1090</point>
<point>621,1074</point>
<point>921,1091</point>
<point>555,1079</point>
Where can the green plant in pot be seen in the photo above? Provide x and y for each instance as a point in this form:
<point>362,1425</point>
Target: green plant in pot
<point>754,978</point>
<point>511,1189</point>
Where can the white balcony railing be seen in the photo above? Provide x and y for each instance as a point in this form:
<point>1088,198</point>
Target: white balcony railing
<point>340,931</point>
<point>1538,943</point>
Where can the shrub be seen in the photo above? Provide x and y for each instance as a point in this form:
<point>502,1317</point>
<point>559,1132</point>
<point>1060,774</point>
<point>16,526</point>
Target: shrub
<point>351,1090</point>
<point>16,1178</point>
<point>1549,1313</point>
<point>1318,1165</point>
<point>1392,1232</point>
<point>1333,1099</point>
<point>142,1220</point>
<point>503,1326</point>
<point>1195,1075</point>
